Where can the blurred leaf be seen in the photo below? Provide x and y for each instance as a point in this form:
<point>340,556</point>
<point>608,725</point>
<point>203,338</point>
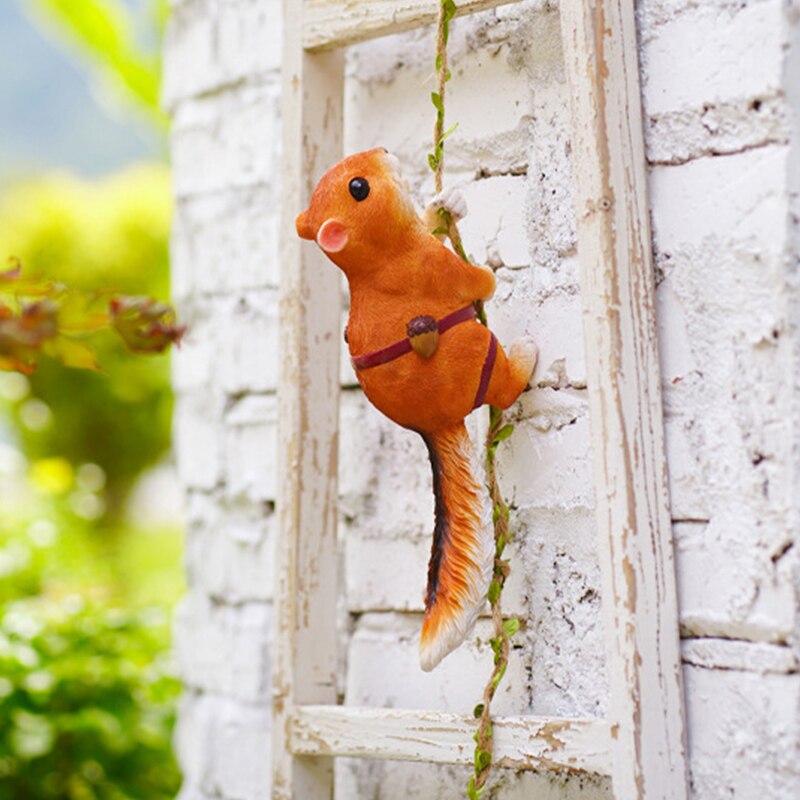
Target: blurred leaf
<point>103,31</point>
<point>53,475</point>
<point>32,735</point>
<point>76,313</point>
<point>511,626</point>
<point>145,325</point>
<point>86,234</point>
<point>72,353</point>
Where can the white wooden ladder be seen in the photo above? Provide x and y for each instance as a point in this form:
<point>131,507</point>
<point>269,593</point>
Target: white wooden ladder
<point>641,744</point>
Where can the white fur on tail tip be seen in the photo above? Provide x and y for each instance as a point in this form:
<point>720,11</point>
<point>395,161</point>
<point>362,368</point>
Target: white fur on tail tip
<point>452,633</point>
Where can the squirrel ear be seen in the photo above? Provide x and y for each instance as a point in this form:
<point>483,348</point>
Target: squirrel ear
<point>332,236</point>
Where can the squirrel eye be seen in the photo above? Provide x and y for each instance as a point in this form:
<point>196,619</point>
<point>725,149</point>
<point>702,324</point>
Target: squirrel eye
<point>359,188</point>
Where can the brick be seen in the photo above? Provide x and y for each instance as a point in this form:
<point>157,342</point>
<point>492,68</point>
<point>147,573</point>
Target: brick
<point>710,54</point>
<point>247,340</point>
<point>230,548</point>
<point>546,462</point>
<point>495,227</point>
<point>223,746</point>
<point>217,44</point>
<point>221,142</point>
<point>227,242</point>
<point>543,305</point>
<point>194,362</point>
<point>251,448</point>
<point>198,439</point>
<point>208,628</point>
<point>730,585</point>
<point>734,199</point>
<point>744,733</point>
<point>557,561</point>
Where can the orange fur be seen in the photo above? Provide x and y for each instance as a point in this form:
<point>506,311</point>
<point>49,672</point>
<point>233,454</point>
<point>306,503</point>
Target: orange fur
<point>398,270</point>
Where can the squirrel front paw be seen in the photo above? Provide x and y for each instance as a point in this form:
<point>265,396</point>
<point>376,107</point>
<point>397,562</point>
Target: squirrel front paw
<point>451,200</point>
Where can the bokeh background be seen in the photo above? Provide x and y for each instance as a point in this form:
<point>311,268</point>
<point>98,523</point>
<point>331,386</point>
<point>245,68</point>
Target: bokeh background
<point>90,523</point>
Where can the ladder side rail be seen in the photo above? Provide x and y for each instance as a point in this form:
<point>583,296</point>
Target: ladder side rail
<point>624,382</point>
<point>305,629</point>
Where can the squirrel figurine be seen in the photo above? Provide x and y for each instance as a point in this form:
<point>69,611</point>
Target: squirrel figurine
<point>422,359</point>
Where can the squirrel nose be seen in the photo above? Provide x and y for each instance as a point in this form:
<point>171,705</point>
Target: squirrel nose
<point>305,230</point>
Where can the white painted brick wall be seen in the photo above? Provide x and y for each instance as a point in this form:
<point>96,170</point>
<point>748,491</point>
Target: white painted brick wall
<point>721,83</point>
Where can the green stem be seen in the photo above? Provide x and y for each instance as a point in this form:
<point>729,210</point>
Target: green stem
<point>498,431</point>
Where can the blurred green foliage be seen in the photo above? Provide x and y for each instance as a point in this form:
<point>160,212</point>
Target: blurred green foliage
<point>111,233</point>
<point>103,33</point>
<point>87,695</point>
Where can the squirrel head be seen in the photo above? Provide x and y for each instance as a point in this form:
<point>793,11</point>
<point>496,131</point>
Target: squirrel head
<point>360,209</point>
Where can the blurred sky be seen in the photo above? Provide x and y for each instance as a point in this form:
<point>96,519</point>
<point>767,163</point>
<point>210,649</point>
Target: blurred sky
<point>51,115</point>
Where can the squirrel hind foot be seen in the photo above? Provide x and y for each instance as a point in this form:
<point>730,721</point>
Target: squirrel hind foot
<point>522,356</point>
<point>513,372</point>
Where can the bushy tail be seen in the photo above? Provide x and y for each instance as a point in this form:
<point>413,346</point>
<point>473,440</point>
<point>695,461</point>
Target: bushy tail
<point>462,553</point>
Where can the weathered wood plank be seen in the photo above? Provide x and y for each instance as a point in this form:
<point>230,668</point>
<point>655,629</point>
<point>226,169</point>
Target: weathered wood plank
<point>533,743</point>
<point>305,646</point>
<point>336,23</point>
<point>616,275</point>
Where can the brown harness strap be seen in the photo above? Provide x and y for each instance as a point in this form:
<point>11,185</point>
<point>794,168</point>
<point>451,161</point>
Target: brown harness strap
<point>393,351</point>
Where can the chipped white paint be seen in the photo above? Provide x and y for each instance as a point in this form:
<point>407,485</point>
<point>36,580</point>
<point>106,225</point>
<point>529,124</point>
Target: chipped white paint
<point>521,743</point>
<point>624,384</point>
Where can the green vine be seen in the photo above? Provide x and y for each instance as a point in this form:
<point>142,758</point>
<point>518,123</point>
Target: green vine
<point>498,431</point>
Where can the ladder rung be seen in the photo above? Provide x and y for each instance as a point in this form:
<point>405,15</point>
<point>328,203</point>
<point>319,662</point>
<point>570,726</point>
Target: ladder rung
<point>534,743</point>
<point>341,22</point>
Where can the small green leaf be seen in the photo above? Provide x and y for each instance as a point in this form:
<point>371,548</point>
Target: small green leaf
<point>497,678</point>
<point>477,711</point>
<point>482,760</point>
<point>449,7</point>
<point>432,162</point>
<point>447,75</point>
<point>504,433</point>
<point>436,99</point>
<point>447,133</point>
<point>494,592</point>
<point>511,626</point>
<point>472,792</point>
